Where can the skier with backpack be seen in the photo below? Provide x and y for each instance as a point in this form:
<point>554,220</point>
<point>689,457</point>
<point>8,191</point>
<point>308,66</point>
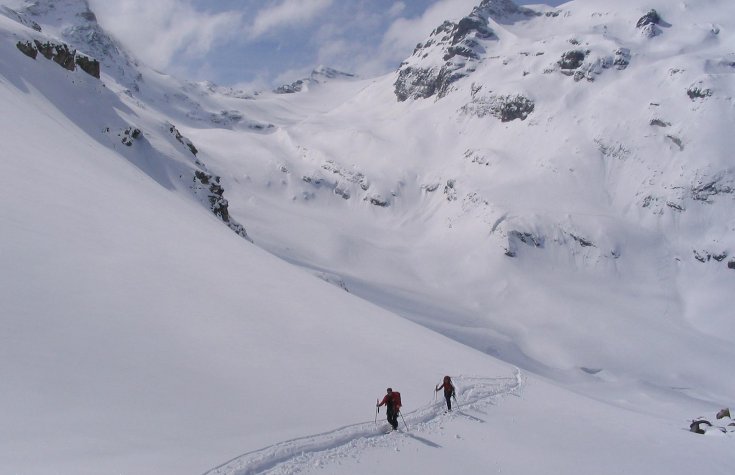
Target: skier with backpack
<point>392,403</point>
<point>449,392</point>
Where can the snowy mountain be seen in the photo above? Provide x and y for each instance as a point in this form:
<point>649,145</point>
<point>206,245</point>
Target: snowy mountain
<point>538,202</point>
<point>318,76</point>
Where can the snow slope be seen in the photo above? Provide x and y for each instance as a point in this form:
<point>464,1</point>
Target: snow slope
<point>141,335</point>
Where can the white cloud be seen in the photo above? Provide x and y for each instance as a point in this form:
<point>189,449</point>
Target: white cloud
<point>257,40</point>
<point>403,34</point>
<point>156,31</point>
<point>287,13</point>
<point>396,9</point>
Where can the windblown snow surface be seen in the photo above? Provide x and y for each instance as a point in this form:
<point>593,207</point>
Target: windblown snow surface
<point>571,268</point>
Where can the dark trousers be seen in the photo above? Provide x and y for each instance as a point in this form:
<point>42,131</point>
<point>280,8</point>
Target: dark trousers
<point>392,417</point>
<point>448,397</point>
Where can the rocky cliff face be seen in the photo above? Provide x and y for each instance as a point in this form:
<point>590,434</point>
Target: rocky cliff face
<point>76,24</point>
<point>453,50</point>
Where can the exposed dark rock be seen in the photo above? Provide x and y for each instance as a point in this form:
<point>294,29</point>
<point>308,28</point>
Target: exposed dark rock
<point>505,108</point>
<point>649,24</point>
<point>260,127</point>
<point>27,49</point>
<point>226,117</point>
<point>88,65</point>
<point>676,141</point>
<point>58,52</point>
<point>612,149</point>
<point>696,91</point>
<point>650,18</point>
<point>46,49</point>
<point>477,157</point>
<point>696,426</point>
<point>464,37</point>
<point>622,58</point>
<point>63,56</point>
<point>175,132</point>
<point>571,60</point>
<point>659,123</point>
<point>349,175</point>
<point>343,192</point>
<point>731,264</point>
<point>217,202</point>
<point>450,191</point>
<point>675,206</point>
<point>292,88</point>
<point>704,256</point>
<point>419,83</point>
<point>377,200</point>
<point>528,238</point>
<point>472,24</point>
<point>648,201</point>
<point>460,45</point>
<point>582,241</point>
<point>516,237</point>
<point>706,191</point>
<point>311,180</point>
<point>129,135</point>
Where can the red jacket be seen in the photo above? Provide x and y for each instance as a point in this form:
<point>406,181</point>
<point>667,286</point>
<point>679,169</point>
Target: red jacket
<point>448,388</point>
<point>392,400</point>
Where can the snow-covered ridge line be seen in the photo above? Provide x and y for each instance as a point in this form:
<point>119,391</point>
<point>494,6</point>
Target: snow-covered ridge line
<point>473,392</point>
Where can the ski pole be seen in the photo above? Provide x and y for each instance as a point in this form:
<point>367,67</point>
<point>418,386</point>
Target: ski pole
<point>377,409</point>
<point>404,421</point>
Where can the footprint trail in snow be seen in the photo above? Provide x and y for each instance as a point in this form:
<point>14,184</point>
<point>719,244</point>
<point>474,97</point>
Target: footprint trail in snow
<point>295,455</point>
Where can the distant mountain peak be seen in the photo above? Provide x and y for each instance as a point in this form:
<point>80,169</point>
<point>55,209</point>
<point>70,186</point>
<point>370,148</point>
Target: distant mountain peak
<point>453,49</point>
<point>319,75</point>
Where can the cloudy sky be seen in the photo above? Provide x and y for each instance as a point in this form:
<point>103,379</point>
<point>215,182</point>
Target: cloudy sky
<point>263,43</point>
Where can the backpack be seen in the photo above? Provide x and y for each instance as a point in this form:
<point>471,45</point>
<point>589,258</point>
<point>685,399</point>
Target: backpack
<point>396,400</point>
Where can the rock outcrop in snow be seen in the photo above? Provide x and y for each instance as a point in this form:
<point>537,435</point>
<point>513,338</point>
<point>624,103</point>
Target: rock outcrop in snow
<point>61,54</point>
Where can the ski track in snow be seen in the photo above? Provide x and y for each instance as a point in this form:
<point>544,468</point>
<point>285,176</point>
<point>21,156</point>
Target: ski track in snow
<point>296,455</point>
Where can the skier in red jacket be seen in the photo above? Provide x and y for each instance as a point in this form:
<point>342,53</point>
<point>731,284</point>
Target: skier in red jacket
<point>448,388</point>
<point>392,402</point>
